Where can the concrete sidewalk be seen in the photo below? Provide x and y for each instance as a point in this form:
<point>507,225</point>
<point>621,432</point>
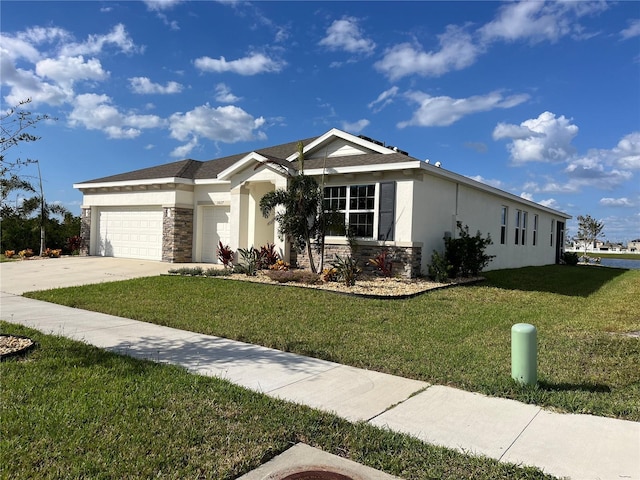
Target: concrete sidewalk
<point>576,446</point>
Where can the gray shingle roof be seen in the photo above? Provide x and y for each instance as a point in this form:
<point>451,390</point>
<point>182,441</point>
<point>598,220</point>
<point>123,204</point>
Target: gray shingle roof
<point>195,169</point>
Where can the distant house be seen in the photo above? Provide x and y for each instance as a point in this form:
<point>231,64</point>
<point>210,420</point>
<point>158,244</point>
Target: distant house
<point>634,245</point>
<point>178,212</point>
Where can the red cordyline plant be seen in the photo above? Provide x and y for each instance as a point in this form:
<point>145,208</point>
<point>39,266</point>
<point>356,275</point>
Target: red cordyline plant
<point>225,255</point>
<point>383,263</point>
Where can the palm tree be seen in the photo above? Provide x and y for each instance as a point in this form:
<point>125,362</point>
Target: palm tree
<point>298,220</point>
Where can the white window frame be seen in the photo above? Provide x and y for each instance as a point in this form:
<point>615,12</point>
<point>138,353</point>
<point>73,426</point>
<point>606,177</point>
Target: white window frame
<point>504,228</point>
<point>348,211</point>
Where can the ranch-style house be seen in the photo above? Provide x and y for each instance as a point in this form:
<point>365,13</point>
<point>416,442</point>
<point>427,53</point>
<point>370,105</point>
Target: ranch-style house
<point>178,212</point>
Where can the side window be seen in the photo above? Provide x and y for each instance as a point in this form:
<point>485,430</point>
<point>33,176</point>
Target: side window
<point>503,225</point>
<point>535,230</point>
<point>517,230</point>
<point>524,228</point>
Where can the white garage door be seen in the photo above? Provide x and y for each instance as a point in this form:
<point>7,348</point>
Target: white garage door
<point>215,228</point>
<point>130,232</point>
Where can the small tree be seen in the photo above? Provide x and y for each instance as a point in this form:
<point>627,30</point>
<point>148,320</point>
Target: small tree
<point>589,230</point>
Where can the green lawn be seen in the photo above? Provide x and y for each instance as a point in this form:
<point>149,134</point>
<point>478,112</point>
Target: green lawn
<point>73,411</point>
<point>458,336</point>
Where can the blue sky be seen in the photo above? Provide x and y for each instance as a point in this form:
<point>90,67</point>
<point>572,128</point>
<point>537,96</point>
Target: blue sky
<point>539,99</point>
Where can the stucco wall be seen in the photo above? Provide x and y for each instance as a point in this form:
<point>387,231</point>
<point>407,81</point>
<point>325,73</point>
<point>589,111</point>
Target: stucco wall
<point>439,203</point>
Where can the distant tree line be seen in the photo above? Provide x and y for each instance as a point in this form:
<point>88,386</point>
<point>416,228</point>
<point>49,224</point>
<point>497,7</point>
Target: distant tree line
<point>27,221</point>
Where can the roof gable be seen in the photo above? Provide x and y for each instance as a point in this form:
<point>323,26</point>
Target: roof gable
<point>337,143</point>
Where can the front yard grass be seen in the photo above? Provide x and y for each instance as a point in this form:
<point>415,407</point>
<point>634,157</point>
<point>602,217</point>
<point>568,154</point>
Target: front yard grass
<point>70,410</point>
<point>458,337</point>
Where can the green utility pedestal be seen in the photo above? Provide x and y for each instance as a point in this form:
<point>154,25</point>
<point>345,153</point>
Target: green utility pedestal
<point>524,353</point>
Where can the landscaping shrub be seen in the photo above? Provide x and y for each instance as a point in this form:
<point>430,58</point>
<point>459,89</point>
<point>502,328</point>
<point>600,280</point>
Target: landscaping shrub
<point>249,258</point>
<point>55,253</point>
<point>439,268</point>
<point>347,269</point>
<point>217,272</point>
<point>280,265</point>
<point>296,276</point>
<point>463,256</point>
<point>570,258</point>
<point>330,275</point>
<point>267,256</point>
<point>192,271</point>
<point>383,263</point>
<point>74,244</point>
<point>225,255</point>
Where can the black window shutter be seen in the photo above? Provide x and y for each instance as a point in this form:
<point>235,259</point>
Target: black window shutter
<point>386,221</point>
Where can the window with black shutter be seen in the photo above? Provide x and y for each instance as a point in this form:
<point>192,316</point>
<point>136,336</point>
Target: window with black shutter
<point>387,211</point>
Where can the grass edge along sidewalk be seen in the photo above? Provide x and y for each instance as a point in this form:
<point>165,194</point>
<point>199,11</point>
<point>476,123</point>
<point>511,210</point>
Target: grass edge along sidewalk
<point>74,411</point>
<point>458,337</point>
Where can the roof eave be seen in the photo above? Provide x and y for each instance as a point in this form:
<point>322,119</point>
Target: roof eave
<point>134,183</point>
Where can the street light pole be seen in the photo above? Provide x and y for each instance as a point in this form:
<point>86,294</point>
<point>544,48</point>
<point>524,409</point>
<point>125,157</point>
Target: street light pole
<point>42,210</point>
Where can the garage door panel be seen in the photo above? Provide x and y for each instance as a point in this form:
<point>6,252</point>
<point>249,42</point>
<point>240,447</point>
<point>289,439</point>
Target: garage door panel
<point>130,232</point>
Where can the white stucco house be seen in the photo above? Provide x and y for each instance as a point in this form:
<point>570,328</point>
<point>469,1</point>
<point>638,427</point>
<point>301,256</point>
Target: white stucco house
<point>178,212</point>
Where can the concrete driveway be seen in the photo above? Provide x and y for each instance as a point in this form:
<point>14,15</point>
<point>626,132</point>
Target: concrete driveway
<point>42,274</point>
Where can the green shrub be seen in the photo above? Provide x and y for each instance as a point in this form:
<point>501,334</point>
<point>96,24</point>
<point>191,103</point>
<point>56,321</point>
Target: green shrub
<point>217,272</point>
<point>466,254</point>
<point>249,259</point>
<point>347,269</point>
<point>570,258</point>
<point>439,268</point>
<point>193,271</point>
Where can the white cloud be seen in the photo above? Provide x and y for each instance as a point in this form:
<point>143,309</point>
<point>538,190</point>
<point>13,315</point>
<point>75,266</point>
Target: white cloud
<point>227,124</point>
<point>539,21</point>
<point>457,51</point>
<point>144,85</point>
<point>549,139</point>
<point>355,127</point>
<point>345,34</point>
<point>37,35</point>
<point>550,203</point>
<point>627,152</point>
<point>183,151</point>
<point>15,48</point>
<point>94,44</point>
<point>527,196</point>
<point>68,70</point>
<point>224,95</point>
<point>494,182</point>
<point>633,30</point>
<point>533,20</point>
<point>251,65</point>
<point>158,5</point>
<point>444,111</point>
<point>384,99</point>
<point>26,84</point>
<point>95,112</point>
<point>616,202</point>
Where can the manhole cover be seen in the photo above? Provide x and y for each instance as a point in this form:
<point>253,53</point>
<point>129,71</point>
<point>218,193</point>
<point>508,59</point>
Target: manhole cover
<point>316,475</point>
